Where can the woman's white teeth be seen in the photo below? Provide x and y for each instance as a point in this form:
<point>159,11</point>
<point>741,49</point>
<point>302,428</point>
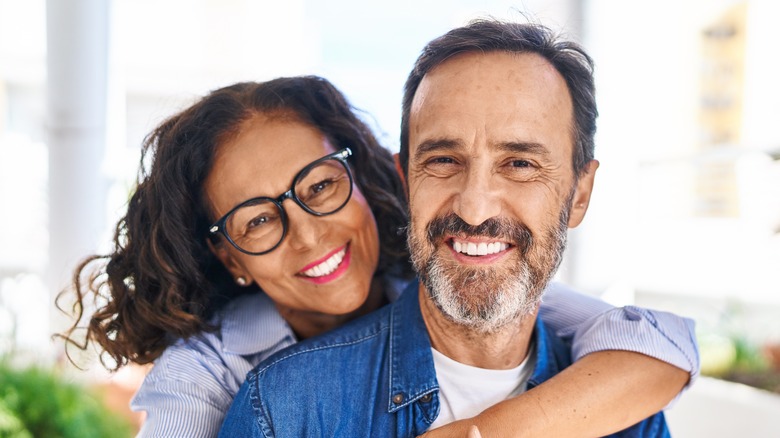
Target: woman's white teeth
<point>479,249</point>
<point>328,266</point>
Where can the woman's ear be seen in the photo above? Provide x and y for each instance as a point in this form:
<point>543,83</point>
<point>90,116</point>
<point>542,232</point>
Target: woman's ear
<point>237,271</point>
<point>582,192</point>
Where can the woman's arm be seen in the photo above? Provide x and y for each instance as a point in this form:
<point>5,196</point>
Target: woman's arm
<point>189,402</point>
<point>188,390</point>
<point>595,396</point>
<point>593,326</point>
<point>619,352</point>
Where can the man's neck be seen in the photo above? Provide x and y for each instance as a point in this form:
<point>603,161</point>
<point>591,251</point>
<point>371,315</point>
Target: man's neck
<point>501,349</point>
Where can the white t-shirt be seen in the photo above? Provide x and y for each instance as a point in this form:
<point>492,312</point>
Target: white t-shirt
<point>465,390</point>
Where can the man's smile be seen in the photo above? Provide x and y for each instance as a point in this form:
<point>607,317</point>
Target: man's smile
<point>478,248</point>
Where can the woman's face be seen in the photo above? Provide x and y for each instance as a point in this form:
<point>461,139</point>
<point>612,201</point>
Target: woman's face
<point>262,160</point>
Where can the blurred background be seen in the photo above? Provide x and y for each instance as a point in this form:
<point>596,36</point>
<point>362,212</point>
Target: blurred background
<point>686,209</point>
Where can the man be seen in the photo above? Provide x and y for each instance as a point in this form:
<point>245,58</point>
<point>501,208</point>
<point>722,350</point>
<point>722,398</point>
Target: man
<point>497,147</point>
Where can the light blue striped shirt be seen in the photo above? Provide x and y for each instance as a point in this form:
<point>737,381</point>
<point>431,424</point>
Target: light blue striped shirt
<point>191,386</point>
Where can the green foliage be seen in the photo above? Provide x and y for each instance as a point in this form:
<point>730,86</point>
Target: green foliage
<point>36,402</point>
<point>749,357</point>
<point>10,425</point>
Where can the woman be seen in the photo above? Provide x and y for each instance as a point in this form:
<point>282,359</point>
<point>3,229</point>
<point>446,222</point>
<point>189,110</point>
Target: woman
<point>278,187</point>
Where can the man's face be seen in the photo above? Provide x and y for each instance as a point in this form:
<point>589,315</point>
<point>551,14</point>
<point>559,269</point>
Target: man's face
<point>491,185</point>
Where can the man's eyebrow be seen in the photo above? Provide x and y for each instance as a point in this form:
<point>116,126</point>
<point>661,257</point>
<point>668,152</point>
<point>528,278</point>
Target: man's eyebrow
<point>440,144</point>
<point>524,147</point>
<point>447,144</point>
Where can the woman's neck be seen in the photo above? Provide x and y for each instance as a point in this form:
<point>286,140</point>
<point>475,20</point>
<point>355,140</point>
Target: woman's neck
<point>308,324</point>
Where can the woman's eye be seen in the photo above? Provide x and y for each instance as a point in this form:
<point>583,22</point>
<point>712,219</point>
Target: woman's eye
<point>320,186</point>
<point>257,222</point>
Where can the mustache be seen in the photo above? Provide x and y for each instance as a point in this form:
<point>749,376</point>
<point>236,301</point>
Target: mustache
<point>496,228</point>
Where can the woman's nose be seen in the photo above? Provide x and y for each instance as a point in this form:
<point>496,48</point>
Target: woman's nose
<point>305,230</point>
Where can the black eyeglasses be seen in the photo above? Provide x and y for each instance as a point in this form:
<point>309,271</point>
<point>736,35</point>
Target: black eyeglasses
<point>258,226</point>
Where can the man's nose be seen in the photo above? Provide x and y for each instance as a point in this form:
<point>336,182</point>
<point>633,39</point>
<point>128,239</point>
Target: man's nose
<point>477,199</point>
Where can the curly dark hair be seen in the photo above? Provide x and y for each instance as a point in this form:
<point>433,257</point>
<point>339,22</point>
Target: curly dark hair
<point>492,35</point>
<point>161,282</point>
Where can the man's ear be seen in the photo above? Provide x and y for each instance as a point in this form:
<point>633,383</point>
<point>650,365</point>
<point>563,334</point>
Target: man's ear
<point>400,171</point>
<point>582,192</point>
<point>237,271</point>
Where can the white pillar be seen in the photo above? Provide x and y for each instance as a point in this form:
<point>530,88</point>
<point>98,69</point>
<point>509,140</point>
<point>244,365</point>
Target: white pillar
<point>77,54</point>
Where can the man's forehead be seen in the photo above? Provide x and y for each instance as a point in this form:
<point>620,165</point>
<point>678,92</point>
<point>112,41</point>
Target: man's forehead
<point>491,71</point>
<point>497,97</point>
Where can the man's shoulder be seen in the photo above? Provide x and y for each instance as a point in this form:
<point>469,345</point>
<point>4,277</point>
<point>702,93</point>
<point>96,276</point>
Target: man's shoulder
<point>292,391</point>
<point>553,353</point>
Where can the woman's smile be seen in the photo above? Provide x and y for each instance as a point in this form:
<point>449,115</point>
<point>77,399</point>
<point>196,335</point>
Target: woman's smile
<point>328,268</point>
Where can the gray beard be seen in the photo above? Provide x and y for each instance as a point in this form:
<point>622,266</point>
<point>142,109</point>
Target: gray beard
<point>487,299</point>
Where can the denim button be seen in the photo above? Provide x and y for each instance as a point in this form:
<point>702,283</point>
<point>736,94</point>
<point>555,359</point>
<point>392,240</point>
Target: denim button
<point>426,398</point>
<point>398,398</point>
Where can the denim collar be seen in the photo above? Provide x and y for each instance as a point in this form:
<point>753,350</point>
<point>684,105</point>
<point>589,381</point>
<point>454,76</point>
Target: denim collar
<point>551,355</point>
<point>412,374</point>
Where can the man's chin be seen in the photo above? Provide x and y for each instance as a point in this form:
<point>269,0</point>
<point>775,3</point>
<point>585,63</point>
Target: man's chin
<point>482,322</point>
<point>485,308</point>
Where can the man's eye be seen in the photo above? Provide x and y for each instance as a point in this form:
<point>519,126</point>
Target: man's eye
<point>441,160</point>
<point>441,166</point>
<point>520,163</point>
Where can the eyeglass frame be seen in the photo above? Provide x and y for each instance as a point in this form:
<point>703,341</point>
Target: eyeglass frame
<point>340,155</point>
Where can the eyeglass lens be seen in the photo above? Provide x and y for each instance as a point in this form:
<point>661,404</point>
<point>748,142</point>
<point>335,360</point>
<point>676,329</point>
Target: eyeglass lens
<point>322,189</point>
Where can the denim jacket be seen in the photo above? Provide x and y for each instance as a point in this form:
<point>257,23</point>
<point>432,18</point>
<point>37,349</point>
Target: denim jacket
<point>373,377</point>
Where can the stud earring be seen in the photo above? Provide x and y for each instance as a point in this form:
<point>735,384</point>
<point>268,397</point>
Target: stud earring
<point>241,281</point>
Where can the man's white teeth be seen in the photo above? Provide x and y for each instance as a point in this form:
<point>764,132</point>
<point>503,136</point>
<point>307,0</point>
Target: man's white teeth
<point>328,266</point>
<point>479,249</point>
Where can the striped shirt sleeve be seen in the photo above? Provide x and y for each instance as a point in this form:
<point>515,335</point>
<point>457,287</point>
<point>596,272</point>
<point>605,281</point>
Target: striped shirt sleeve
<point>594,325</point>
